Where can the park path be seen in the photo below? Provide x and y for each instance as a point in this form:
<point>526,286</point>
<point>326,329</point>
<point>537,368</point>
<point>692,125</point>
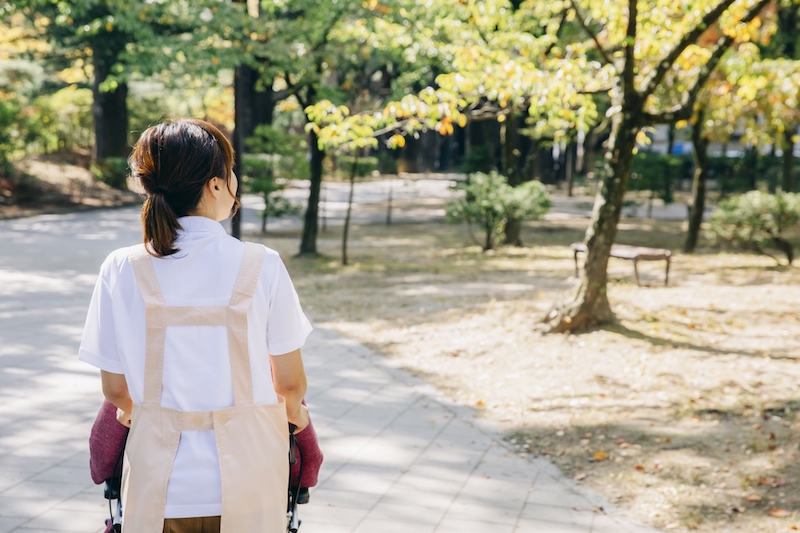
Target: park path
<point>399,456</point>
<point>416,199</point>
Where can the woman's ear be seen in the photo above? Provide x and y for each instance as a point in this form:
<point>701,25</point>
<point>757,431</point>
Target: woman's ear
<point>214,187</point>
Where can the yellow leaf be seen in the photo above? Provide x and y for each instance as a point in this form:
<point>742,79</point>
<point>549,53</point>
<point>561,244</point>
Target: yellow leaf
<point>397,140</point>
<point>600,456</point>
<point>480,403</point>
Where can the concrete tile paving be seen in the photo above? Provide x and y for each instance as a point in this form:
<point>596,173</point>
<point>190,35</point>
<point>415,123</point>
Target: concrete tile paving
<point>399,456</point>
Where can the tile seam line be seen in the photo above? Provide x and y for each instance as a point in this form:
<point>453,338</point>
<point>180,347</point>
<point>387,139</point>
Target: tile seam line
<point>21,527</point>
<point>477,464</point>
<point>347,462</point>
<point>426,448</point>
<point>525,503</point>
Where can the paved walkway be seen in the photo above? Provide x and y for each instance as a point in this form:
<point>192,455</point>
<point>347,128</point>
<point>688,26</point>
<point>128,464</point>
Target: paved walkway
<point>399,457</point>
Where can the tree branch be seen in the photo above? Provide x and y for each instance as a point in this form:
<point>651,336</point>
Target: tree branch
<point>629,69</point>
<point>558,33</point>
<point>592,34</point>
<point>688,39</point>
<point>685,110</point>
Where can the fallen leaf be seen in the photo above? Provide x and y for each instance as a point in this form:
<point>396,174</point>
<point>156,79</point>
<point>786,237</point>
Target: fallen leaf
<point>753,498</point>
<point>579,477</point>
<point>480,403</point>
<point>777,512</point>
<point>793,528</point>
<point>640,468</point>
<point>600,456</point>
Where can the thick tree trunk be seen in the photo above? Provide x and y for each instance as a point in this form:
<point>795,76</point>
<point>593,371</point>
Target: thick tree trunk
<point>787,181</point>
<point>513,175</point>
<point>308,242</point>
<point>700,142</point>
<point>252,108</point>
<point>110,113</point>
<point>589,305</point>
<point>670,138</point>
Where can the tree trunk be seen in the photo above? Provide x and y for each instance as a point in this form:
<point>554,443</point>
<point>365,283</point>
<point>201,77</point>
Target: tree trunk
<point>786,247</point>
<point>568,168</point>
<point>700,142</point>
<point>670,138</point>
<point>346,230</point>
<point>512,172</point>
<point>308,242</point>
<point>110,113</point>
<point>787,181</point>
<point>589,306</point>
<point>512,232</point>
<point>264,215</point>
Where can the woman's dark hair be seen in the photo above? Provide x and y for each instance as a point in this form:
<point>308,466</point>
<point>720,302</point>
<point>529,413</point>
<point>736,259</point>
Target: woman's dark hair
<point>173,161</point>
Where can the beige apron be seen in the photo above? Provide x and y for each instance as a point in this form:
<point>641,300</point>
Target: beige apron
<point>252,440</point>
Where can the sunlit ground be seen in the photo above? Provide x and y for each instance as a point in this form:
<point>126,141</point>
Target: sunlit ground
<point>684,412</point>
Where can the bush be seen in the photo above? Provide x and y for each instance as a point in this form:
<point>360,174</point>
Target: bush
<point>387,162</point>
<point>477,159</point>
<point>64,120</point>
<point>113,171</point>
<point>490,202</point>
<point>364,167</point>
<point>756,220</point>
<point>16,133</point>
<point>282,157</point>
<point>651,171</point>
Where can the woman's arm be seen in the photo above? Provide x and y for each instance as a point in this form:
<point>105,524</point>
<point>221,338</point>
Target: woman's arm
<point>115,389</point>
<point>289,378</point>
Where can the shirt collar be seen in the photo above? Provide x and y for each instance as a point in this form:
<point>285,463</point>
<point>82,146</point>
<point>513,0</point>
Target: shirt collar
<point>193,224</point>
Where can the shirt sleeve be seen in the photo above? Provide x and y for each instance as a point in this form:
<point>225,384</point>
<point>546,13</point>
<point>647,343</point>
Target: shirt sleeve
<point>99,341</point>
<point>287,325</point>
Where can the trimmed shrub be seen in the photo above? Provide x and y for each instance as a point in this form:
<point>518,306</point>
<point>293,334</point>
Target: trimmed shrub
<point>113,171</point>
<point>489,201</point>
<point>756,221</point>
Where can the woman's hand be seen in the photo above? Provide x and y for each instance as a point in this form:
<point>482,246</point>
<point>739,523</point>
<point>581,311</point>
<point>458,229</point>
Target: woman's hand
<point>124,418</point>
<point>299,418</point>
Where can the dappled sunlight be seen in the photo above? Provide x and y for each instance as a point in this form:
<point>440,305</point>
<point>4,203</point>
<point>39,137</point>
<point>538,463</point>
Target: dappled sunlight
<point>689,400</point>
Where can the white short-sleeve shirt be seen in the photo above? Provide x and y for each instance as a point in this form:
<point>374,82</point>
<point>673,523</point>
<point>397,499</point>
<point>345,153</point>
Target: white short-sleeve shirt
<point>197,372</point>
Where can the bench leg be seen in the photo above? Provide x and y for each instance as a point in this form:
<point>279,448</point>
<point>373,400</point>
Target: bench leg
<point>666,274</point>
<point>636,272</point>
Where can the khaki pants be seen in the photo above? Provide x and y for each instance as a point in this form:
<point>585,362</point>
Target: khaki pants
<point>205,524</point>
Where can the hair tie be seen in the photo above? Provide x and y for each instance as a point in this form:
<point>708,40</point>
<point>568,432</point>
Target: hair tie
<point>159,190</point>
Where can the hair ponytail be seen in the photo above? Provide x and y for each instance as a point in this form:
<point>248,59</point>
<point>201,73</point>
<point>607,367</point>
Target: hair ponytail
<point>160,225</point>
<point>173,161</point>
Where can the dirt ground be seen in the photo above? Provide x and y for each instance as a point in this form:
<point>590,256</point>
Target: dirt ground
<point>685,412</point>
<point>56,183</point>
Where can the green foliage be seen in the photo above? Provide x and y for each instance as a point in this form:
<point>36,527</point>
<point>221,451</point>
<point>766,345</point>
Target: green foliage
<point>756,220</point>
<point>651,171</point>
<point>15,133</point>
<point>477,159</point>
<point>64,120</point>
<point>113,171</point>
<point>387,163</point>
<point>287,153</point>
<point>365,166</point>
<point>490,202</point>
<point>280,157</point>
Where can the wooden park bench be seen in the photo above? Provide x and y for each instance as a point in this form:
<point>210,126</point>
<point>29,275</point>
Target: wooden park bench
<point>631,253</point>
